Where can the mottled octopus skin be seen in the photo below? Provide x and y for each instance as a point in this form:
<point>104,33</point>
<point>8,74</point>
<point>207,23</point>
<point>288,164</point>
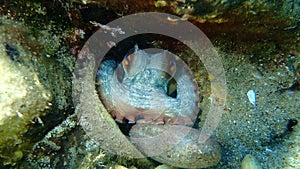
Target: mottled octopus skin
<point>136,89</point>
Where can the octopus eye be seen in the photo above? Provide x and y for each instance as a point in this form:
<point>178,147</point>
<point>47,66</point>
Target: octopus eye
<point>125,67</point>
<point>127,62</point>
<point>134,63</point>
<point>172,69</point>
<point>129,57</point>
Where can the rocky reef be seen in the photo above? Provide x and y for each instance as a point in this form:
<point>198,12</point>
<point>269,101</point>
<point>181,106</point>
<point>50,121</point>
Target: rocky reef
<point>257,41</point>
<point>23,97</point>
<point>31,89</point>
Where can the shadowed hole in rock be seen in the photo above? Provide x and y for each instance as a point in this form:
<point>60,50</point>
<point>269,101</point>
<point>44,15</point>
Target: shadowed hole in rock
<point>145,41</point>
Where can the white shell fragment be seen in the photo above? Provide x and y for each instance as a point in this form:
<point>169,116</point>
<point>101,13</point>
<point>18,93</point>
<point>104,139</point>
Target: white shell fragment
<point>252,97</point>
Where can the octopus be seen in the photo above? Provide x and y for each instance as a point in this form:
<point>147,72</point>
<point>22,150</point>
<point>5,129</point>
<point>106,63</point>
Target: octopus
<point>156,92</point>
<point>139,89</point>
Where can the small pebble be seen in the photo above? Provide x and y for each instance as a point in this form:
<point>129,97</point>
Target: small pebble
<point>250,162</point>
<point>252,97</point>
